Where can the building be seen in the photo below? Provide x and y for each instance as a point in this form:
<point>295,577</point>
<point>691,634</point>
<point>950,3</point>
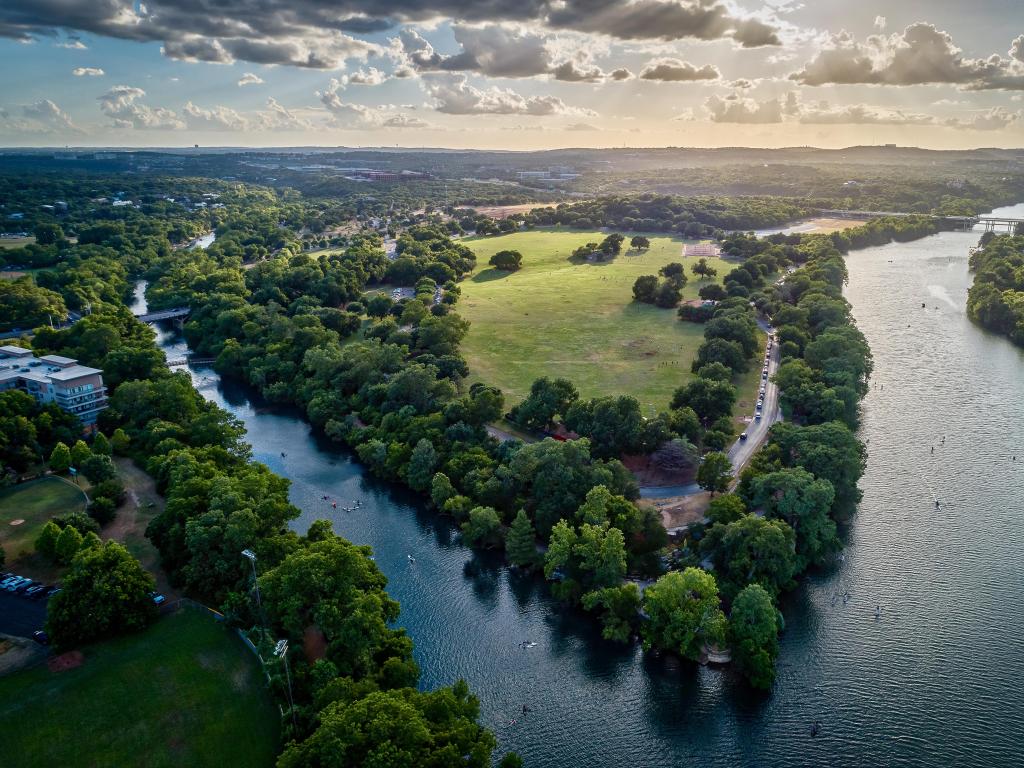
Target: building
<point>76,388</point>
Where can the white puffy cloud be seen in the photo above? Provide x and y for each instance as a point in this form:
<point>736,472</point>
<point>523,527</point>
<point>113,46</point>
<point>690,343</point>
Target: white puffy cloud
<point>214,119</point>
<point>405,121</point>
<point>48,117</point>
<point>87,72</point>
<point>994,119</point>
<point>677,71</point>
<point>919,55</point>
<point>455,96</point>
<point>371,76</point>
<point>276,117</point>
<point>822,113</point>
<point>250,78</point>
<point>1017,48</point>
<point>121,104</point>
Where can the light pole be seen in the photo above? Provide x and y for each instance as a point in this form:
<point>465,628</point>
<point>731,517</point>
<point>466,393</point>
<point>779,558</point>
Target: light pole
<point>251,557</point>
<point>281,651</point>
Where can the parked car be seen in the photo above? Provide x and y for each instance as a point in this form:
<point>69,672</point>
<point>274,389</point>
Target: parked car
<point>23,587</point>
<point>41,637</point>
<point>158,599</point>
<point>12,584</point>
<point>743,436</point>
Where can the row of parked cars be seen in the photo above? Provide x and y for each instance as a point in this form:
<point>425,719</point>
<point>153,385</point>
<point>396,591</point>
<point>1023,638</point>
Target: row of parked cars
<point>26,587</point>
<point>759,410</point>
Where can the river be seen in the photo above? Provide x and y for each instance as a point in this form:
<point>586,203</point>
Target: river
<point>934,681</point>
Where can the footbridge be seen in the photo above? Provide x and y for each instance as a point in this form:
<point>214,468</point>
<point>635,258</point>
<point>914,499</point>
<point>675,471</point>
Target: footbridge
<point>179,362</point>
<point>164,314</point>
<point>965,223</point>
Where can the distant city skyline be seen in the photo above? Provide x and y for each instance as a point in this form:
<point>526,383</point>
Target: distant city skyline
<point>492,74</point>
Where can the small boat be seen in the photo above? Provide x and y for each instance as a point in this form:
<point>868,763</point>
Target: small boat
<point>411,558</point>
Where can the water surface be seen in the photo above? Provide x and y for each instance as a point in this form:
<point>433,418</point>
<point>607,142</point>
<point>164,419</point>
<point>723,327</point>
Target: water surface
<point>934,681</point>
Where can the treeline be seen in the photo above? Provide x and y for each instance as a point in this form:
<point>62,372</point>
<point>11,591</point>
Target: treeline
<point>996,297</point>
<point>699,216</point>
<point>219,502</point>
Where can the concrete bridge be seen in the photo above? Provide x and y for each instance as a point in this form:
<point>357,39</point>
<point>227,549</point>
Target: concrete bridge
<point>178,362</point>
<point>164,314</point>
<point>998,223</point>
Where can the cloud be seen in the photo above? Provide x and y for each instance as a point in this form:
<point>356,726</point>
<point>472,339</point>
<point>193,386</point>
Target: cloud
<point>250,78</point>
<point>371,76</point>
<point>87,72</point>
<point>405,121</point>
<point>736,109</point>
<point>1017,48</point>
<point>121,104</point>
<point>620,74</point>
<point>453,95</point>
<point>73,45</point>
<point>501,50</point>
<point>994,119</point>
<point>581,127</point>
<point>676,71</point>
<point>920,55</point>
<point>822,113</point>
<point>48,117</point>
<point>661,20</point>
<point>213,119</point>
<point>277,117</point>
<point>317,33</point>
<point>880,22</point>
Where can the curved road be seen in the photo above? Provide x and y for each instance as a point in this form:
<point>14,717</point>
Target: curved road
<point>740,451</point>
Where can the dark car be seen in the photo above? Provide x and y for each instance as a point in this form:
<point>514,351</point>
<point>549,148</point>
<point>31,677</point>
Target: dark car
<point>22,588</point>
<point>41,637</point>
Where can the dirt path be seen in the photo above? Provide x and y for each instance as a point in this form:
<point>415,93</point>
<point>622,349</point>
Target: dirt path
<point>142,504</point>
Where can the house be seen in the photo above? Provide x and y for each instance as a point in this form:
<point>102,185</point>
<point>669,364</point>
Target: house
<point>76,388</point>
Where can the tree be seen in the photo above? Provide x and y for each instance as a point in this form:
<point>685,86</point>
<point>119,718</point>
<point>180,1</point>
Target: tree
<point>754,635</point>
<point>713,292</point>
<point>441,489</point>
<point>724,351</point>
<point>612,244</point>
<point>79,453</point>
<point>613,424</point>
<point>521,542</point>
<point>725,509</point>
<point>60,458</point>
<point>547,399</point>
<point>420,472</point>
<point>48,233</point>
<point>620,610</point>
<point>639,243</point>
<point>507,261</point>
<point>715,472</point>
<point>683,613</point>
<point>752,550</point>
<point>98,468</point>
<point>104,594</point>
<point>668,294</point>
<point>100,445</point>
<point>645,288</point>
<point>402,727</point>
<point>46,541</point>
<point>67,545</point>
<point>705,270</point>
<point>711,399</point>
<point>794,495</point>
<point>120,442</point>
<point>483,529</point>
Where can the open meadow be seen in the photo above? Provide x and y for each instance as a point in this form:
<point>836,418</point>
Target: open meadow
<point>184,692</point>
<point>557,318</point>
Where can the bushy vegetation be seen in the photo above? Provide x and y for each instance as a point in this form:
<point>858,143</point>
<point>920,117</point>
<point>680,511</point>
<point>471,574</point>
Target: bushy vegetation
<point>996,298</point>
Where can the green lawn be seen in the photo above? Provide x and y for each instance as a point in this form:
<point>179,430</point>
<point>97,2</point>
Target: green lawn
<point>34,503</point>
<point>577,321</point>
<point>184,693</point>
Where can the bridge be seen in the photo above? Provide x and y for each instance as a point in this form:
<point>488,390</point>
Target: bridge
<point>164,314</point>
<point>178,362</point>
<point>965,223</point>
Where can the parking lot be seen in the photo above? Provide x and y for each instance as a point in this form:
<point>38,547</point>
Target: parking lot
<point>19,615</point>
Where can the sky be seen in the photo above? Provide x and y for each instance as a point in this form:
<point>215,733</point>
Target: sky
<point>498,74</point>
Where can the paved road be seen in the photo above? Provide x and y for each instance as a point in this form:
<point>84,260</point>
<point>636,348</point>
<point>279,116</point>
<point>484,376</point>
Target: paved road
<point>740,451</point>
<point>19,616</point>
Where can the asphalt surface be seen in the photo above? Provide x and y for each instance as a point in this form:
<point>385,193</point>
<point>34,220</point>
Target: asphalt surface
<point>740,451</point>
<point>19,615</point>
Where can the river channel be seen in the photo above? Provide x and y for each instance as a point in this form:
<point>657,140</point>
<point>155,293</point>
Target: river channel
<point>934,681</point>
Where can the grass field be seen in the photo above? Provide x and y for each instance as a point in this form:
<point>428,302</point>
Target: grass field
<point>33,503</point>
<point>184,693</point>
<point>577,321</point>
